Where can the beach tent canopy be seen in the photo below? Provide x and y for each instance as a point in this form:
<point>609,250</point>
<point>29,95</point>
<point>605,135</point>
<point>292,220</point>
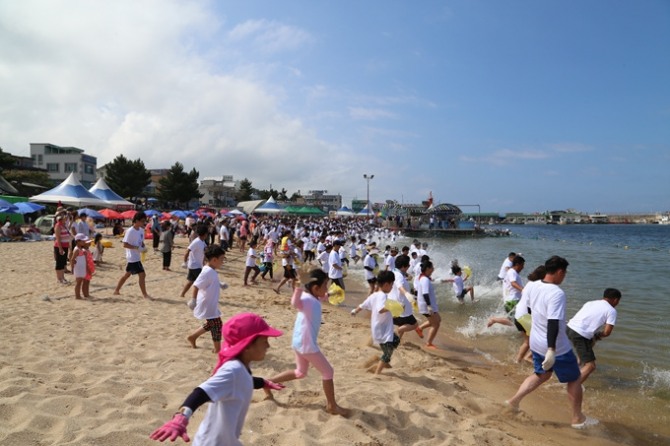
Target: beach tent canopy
<point>101,190</point>
<point>365,211</point>
<point>344,211</point>
<point>269,207</point>
<point>444,210</point>
<point>249,206</point>
<point>69,192</point>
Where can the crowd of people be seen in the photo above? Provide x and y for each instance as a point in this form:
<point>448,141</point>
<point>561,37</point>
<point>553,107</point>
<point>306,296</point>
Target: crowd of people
<point>401,299</point>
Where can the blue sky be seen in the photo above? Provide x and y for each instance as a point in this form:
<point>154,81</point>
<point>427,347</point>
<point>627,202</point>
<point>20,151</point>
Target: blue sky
<point>514,105</point>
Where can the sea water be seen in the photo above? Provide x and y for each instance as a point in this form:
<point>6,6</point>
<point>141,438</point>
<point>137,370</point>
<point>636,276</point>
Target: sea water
<point>634,362</point>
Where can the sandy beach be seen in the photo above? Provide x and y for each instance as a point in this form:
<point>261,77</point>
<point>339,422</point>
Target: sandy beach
<point>110,369</point>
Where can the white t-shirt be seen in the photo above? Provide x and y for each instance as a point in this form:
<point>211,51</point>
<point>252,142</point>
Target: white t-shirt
<point>134,237</point>
<point>82,227</point>
<point>426,287</point>
<point>511,293</point>
<point>323,257</point>
<point>458,285</point>
<point>522,306</point>
<point>224,234</point>
<point>196,255</point>
<point>547,301</point>
<point>334,260</point>
<point>369,262</point>
<point>592,316</point>
<point>396,294</point>
<point>209,288</point>
<point>389,262</point>
<point>507,264</point>
<point>251,258</point>
<point>230,390</point>
<point>381,324</point>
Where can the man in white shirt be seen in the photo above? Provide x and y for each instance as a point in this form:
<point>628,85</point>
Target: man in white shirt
<point>584,328</point>
<point>507,264</point>
<point>552,351</point>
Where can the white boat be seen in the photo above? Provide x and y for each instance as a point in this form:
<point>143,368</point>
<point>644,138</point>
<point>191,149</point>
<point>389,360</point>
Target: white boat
<point>665,220</point>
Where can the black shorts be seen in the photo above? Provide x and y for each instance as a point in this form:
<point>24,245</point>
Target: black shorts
<point>134,268</point>
<point>61,260</point>
<point>289,272</point>
<point>583,346</point>
<point>462,294</point>
<point>193,274</point>
<point>372,281</point>
<point>407,320</point>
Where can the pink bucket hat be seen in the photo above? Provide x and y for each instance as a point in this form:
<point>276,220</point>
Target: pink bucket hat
<point>238,332</point>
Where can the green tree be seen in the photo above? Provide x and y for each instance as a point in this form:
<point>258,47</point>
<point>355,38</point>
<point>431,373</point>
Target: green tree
<point>18,177</point>
<point>127,178</point>
<point>178,186</point>
<point>6,160</point>
<point>246,189</point>
<point>295,197</point>
<point>281,196</point>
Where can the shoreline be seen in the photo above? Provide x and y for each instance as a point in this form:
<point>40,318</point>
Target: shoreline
<point>109,370</point>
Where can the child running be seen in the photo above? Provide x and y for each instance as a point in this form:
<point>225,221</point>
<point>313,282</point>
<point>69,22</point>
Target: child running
<point>229,388</point>
<point>98,248</point>
<point>195,257</point>
<point>381,322</point>
<point>133,242</point>
<point>427,303</point>
<point>305,333</point>
<point>206,290</point>
<point>250,264</point>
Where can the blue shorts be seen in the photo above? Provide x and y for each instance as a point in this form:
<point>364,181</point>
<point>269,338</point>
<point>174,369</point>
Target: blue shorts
<point>566,366</point>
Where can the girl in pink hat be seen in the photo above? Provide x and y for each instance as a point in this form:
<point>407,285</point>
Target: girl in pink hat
<point>229,388</point>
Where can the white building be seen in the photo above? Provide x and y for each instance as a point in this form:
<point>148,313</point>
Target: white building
<point>219,191</point>
<point>59,162</point>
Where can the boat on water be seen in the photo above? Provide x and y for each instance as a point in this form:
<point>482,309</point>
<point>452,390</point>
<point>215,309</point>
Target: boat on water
<point>665,220</point>
<point>599,218</point>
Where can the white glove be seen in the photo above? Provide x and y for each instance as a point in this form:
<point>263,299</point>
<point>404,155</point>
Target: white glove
<point>223,285</point>
<point>410,297</point>
<point>191,303</point>
<point>183,265</point>
<point>549,360</point>
<point>353,312</point>
<point>142,248</point>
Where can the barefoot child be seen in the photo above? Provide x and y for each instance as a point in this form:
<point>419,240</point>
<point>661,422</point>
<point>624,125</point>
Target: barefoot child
<point>133,242</point>
<point>460,290</point>
<point>381,322</point>
<point>206,291</point>
<point>305,331</point>
<point>79,265</point>
<point>229,388</point>
<point>250,264</point>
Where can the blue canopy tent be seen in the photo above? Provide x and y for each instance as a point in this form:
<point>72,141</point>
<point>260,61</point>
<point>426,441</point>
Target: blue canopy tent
<point>69,192</point>
<point>101,190</point>
<point>269,207</point>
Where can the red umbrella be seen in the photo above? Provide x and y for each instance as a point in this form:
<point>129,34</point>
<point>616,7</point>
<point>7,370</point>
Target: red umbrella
<point>165,216</point>
<point>110,213</point>
<point>128,214</point>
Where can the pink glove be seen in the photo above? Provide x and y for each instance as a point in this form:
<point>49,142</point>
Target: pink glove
<point>174,428</point>
<point>272,385</point>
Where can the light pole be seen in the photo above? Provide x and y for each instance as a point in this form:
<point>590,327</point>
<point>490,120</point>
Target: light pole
<point>368,178</point>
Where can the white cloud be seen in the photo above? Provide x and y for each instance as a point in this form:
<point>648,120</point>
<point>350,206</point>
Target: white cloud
<point>270,36</point>
<point>139,79</point>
